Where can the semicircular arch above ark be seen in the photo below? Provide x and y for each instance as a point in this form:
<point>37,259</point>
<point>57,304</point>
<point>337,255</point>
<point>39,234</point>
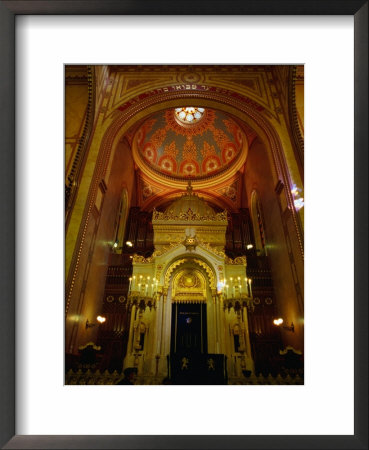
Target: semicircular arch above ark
<point>196,262</point>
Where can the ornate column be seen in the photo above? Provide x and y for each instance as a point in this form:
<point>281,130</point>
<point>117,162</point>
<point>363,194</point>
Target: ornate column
<point>159,313</point>
<point>137,326</point>
<point>229,341</point>
<point>247,333</point>
<point>228,336</point>
<point>221,324</point>
<point>165,295</point>
<point>131,331</point>
<point>215,323</point>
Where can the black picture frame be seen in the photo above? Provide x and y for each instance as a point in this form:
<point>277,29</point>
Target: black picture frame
<point>8,11</point>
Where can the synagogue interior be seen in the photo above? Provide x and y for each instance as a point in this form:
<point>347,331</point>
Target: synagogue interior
<point>184,224</point>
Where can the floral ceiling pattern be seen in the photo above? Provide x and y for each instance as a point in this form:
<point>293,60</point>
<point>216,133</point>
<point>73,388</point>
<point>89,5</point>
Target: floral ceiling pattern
<point>194,150</point>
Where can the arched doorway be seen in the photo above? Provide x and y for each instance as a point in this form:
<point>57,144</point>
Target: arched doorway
<point>193,326</point>
<point>189,311</point>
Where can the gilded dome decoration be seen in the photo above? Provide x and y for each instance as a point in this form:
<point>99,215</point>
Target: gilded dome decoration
<point>190,201</point>
<point>190,208</point>
<point>189,142</point>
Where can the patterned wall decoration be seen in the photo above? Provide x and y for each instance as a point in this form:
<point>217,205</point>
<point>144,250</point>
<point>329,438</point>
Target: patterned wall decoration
<point>231,191</point>
<point>147,191</point>
<point>248,83</point>
<point>151,192</point>
<point>196,151</point>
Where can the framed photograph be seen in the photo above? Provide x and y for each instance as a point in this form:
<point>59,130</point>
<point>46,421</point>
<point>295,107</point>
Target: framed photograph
<point>168,225</point>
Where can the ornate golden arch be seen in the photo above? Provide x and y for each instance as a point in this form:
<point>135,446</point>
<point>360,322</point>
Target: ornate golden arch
<point>189,284</point>
<point>146,107</point>
<point>175,264</point>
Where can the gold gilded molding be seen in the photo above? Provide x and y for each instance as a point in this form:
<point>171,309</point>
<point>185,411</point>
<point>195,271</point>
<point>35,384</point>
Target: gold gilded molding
<point>239,260</point>
<point>138,259</point>
<point>170,270</point>
<point>209,272</point>
<point>189,285</point>
<point>188,216</point>
<point>199,262</point>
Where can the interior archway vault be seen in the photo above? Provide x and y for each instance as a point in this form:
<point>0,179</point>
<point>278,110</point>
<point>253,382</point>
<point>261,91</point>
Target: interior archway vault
<point>208,254</point>
<point>103,151</point>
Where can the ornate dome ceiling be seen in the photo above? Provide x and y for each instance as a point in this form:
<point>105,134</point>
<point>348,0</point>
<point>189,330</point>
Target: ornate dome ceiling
<point>189,143</point>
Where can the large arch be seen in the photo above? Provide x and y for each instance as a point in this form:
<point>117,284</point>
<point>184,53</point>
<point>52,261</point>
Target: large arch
<point>124,120</point>
<point>147,106</point>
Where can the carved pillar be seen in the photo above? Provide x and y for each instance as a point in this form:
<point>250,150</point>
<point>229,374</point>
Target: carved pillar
<point>159,313</point>
<point>165,295</point>
<point>137,327</point>
<point>221,324</point>
<point>247,333</point>
<point>218,311</point>
<point>227,341</point>
<point>215,323</point>
<point>131,328</point>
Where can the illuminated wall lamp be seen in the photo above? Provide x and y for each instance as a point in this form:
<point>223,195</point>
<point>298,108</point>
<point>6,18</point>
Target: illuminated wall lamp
<point>116,245</point>
<point>100,320</point>
<point>278,322</point>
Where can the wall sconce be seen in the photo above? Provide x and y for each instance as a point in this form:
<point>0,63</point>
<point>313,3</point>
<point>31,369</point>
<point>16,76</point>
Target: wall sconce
<point>100,320</point>
<point>117,247</point>
<point>249,246</point>
<point>278,322</point>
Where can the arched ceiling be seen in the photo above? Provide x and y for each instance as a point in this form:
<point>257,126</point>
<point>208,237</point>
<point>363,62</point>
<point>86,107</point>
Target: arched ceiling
<point>205,149</point>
